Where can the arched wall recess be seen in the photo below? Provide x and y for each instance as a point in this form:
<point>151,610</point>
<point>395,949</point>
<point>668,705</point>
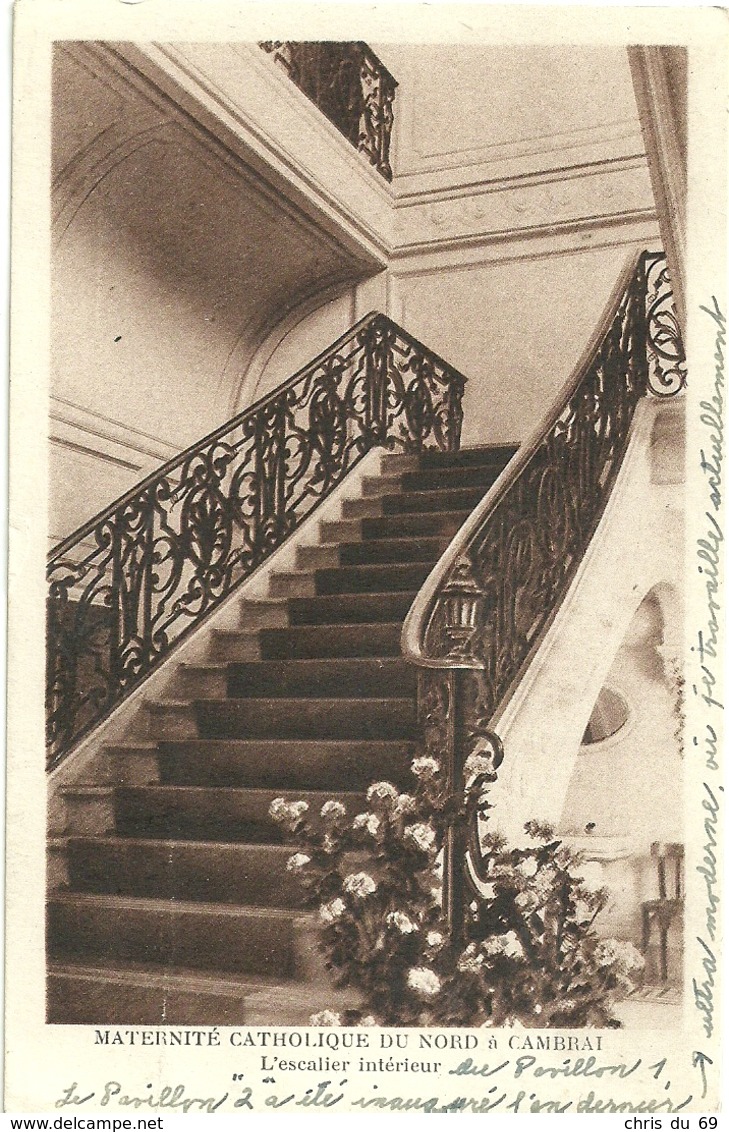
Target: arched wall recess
<point>644,755</point>
<point>302,332</point>
<point>171,260</point>
<point>542,724</point>
<point>608,720</point>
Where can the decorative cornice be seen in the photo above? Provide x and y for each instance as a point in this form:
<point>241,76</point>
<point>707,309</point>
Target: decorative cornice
<point>411,198</point>
<point>525,232</point>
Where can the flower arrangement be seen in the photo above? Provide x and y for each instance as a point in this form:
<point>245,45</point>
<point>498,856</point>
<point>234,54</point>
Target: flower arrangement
<point>533,957</point>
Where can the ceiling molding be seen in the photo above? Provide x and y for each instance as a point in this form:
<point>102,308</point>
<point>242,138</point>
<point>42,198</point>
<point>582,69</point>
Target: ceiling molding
<point>406,198</point>
<point>573,237</point>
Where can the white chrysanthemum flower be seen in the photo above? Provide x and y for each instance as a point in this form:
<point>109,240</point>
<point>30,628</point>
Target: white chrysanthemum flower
<point>434,939</point>
<point>512,946</point>
<point>425,767</point>
<point>287,813</point>
<point>525,900</point>
<point>406,804</point>
<point>606,952</point>
<point>368,1020</point>
<point>332,911</point>
<point>402,922</point>
<point>298,862</point>
<point>528,867</point>
<point>436,895</point>
<point>424,981</point>
<point>382,792</point>
<point>421,834</point>
<point>359,884</point>
<point>325,1018</point>
<point>620,953</point>
<point>507,945</point>
<point>329,843</point>
<point>471,961</point>
<point>333,810</point>
<point>369,822</point>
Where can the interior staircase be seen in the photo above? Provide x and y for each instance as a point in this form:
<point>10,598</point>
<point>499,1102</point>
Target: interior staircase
<point>179,908</point>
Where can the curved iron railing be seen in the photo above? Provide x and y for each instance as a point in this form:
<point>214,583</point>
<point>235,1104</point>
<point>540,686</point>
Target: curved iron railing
<point>480,615</point>
<point>130,583</point>
<point>351,87</point>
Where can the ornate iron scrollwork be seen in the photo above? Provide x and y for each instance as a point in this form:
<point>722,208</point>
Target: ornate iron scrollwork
<point>664,346</point>
<point>135,579</point>
<point>350,86</point>
<point>498,596</point>
<point>506,580</point>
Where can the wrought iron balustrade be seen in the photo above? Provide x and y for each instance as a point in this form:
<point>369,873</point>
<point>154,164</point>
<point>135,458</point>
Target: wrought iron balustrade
<point>135,579</point>
<point>350,86</point>
<point>482,612</point>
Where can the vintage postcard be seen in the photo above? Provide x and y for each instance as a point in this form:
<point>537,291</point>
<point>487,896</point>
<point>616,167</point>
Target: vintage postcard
<point>367,542</point>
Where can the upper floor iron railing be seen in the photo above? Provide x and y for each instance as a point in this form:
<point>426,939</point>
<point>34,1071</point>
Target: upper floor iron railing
<point>351,86</point>
<point>482,612</point>
<point>130,583</point>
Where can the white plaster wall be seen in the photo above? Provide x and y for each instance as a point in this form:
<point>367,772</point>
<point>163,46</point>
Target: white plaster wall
<point>630,784</point>
<point>638,545</point>
<point>516,327</point>
<point>469,111</point>
<point>172,262</point>
<point>295,341</point>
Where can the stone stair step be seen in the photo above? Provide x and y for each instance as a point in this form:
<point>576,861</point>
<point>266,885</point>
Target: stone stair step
<point>202,681</point>
<point>211,813</point>
<point>453,499</point>
<point>305,718</point>
<point>350,608</point>
<point>437,479</point>
<point>263,613</point>
<point>468,457</point>
<point>83,993</point>
<point>314,641</point>
<point>336,530</point>
<point>172,719</point>
<point>382,484</point>
<point>315,557</point>
<point>210,871</point>
<point>129,764</point>
<point>89,808</point>
<point>294,583</point>
<point>363,508</point>
<point>398,462</point>
<point>206,936</point>
<point>236,644</point>
<point>306,764</point>
<point>379,578</point>
<point>440,524</point>
<point>392,550</point>
<point>144,995</point>
<point>366,676</point>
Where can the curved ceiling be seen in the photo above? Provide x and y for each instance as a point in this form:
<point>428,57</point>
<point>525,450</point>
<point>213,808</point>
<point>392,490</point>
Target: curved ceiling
<point>170,259</point>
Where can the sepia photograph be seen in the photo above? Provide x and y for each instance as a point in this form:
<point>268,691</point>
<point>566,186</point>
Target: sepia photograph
<point>379,646</point>
<point>278,659</point>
